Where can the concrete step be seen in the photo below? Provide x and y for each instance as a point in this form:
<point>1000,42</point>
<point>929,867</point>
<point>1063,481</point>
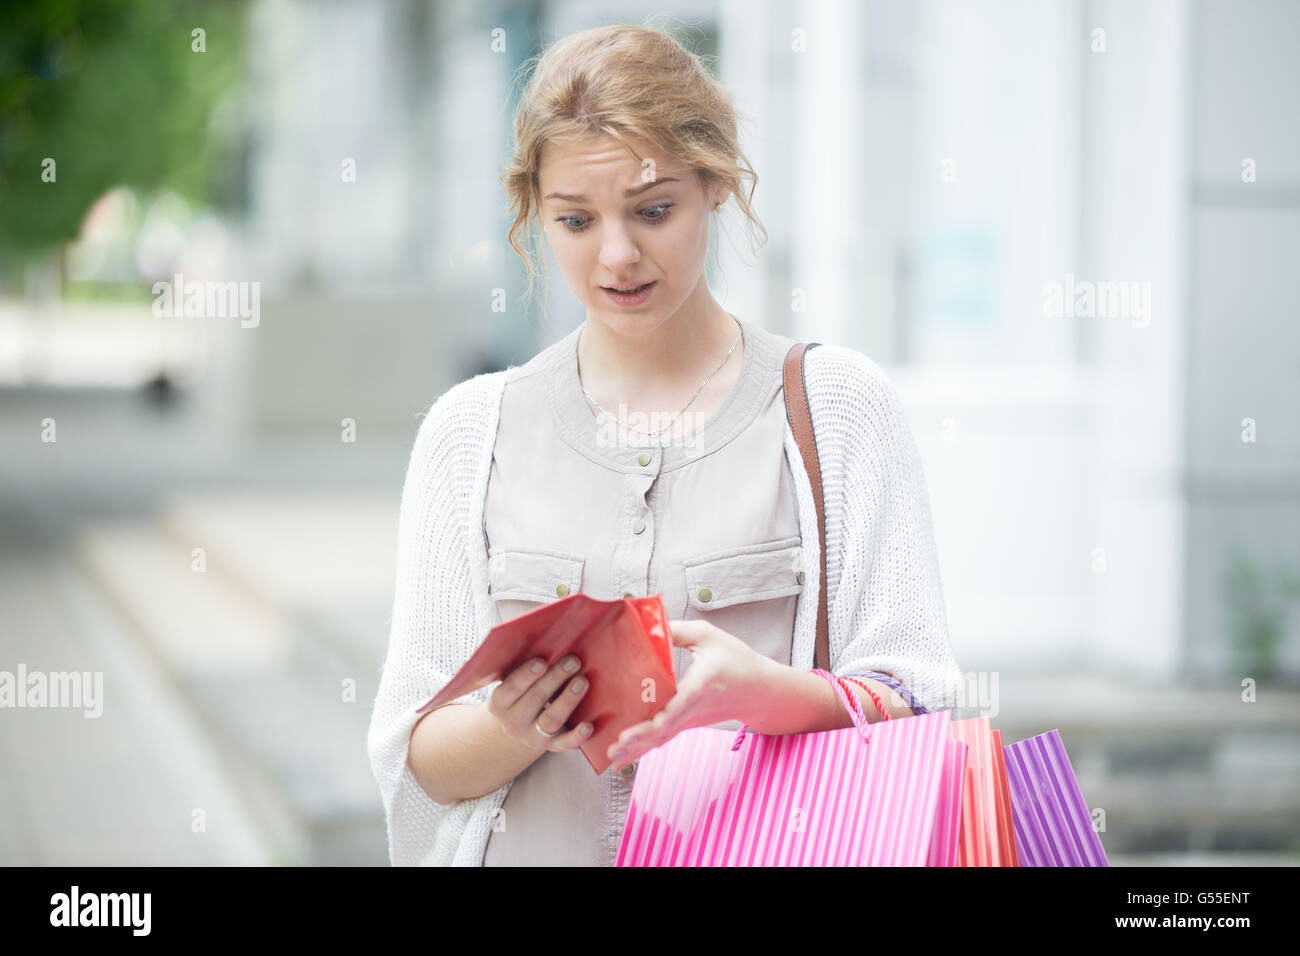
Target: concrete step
<point>121,788</point>
<point>1176,768</point>
<point>275,712</point>
<point>324,561</point>
<point>1203,859</point>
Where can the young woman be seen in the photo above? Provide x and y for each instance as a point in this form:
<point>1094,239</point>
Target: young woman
<point>646,452</point>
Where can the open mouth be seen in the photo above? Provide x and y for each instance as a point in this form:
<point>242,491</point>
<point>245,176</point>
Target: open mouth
<point>630,297</point>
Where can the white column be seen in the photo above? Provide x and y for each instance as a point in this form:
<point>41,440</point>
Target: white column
<point>1137,95</point>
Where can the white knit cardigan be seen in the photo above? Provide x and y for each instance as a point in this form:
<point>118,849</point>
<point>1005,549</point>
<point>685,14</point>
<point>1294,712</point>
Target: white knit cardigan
<point>885,607</point>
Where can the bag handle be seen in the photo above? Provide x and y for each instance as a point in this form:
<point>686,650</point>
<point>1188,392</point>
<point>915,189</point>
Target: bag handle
<point>796,407</point>
<point>850,702</point>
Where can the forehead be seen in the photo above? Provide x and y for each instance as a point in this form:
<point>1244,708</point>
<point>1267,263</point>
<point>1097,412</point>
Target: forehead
<point>570,167</point>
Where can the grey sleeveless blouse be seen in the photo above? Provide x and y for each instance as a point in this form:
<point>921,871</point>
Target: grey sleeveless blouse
<point>710,521</point>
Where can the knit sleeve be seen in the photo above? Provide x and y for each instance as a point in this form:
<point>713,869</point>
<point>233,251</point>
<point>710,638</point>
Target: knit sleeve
<point>433,630</point>
<point>886,607</point>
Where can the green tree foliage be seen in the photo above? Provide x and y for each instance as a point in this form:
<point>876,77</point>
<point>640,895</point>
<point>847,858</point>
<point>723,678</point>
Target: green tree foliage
<point>116,95</point>
<point>1258,604</point>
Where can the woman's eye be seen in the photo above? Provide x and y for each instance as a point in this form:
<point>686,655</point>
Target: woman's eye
<point>662,209</point>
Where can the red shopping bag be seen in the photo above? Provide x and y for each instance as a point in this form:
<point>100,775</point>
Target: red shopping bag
<point>987,836</point>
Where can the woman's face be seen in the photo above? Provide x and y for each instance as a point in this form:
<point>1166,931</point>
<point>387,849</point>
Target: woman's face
<point>615,223</point>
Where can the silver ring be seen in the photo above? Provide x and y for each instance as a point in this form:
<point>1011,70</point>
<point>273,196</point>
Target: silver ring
<point>538,726</point>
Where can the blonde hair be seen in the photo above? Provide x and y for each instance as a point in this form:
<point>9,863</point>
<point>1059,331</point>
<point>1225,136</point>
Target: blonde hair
<point>616,80</point>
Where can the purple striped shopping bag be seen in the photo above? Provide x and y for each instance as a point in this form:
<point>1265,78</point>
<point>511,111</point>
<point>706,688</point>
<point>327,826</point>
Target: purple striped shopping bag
<point>1053,825</point>
<point>865,795</point>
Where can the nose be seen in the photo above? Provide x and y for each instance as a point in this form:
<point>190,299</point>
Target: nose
<point>618,250</point>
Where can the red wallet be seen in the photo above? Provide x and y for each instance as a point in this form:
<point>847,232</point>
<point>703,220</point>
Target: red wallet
<point>626,653</point>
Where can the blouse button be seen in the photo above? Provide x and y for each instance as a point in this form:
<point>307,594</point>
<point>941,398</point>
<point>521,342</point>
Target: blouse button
<point>643,458</point>
<point>561,589</point>
<point>638,527</point>
<point>798,576</point>
<point>705,594</point>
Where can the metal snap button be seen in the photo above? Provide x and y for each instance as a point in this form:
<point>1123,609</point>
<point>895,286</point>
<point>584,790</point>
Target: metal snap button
<point>628,770</point>
<point>705,594</point>
<point>798,576</point>
<point>638,527</point>
<point>628,594</point>
<point>643,458</point>
<point>561,589</point>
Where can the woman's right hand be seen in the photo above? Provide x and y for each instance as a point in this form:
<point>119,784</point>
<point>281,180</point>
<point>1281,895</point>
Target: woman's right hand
<point>520,703</point>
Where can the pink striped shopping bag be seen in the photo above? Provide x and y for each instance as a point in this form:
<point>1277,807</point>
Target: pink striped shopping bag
<point>865,795</point>
<point>947,814</point>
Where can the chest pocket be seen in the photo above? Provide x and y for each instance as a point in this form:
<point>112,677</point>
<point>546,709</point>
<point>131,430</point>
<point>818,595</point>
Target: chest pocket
<point>519,574</point>
<point>755,572</point>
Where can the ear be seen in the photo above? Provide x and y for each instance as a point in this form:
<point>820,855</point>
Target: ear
<point>719,196</point>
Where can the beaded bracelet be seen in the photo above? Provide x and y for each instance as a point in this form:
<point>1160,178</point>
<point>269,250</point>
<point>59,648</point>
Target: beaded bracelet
<point>884,714</point>
<point>908,698</point>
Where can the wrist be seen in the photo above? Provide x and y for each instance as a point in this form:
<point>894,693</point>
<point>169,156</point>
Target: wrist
<point>766,684</point>
<point>874,696</point>
<point>792,701</point>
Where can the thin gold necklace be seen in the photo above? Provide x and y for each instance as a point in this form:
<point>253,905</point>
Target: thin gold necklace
<point>656,434</point>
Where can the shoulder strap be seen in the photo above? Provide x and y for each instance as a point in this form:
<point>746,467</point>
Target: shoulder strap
<point>796,407</point>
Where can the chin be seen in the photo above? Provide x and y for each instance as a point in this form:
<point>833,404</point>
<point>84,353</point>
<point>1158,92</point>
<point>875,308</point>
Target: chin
<point>629,323</point>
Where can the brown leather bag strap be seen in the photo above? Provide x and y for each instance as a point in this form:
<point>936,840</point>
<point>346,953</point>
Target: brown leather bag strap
<point>796,407</point>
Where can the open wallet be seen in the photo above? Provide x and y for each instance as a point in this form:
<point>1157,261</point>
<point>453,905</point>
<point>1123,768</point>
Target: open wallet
<point>626,652</point>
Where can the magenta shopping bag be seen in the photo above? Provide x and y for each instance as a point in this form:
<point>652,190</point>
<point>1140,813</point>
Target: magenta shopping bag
<point>865,795</point>
<point>946,840</point>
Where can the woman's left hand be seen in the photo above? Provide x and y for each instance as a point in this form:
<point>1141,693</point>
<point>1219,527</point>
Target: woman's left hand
<point>725,681</point>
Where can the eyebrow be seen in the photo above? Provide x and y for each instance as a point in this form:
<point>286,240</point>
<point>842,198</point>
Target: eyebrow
<point>627,193</point>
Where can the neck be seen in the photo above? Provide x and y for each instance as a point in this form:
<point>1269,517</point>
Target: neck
<point>662,366</point>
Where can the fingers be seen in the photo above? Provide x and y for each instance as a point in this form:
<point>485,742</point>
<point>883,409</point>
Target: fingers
<point>533,699</point>
<point>657,731</point>
<point>555,715</point>
<point>685,633</point>
<point>570,739</point>
<point>532,676</point>
<point>634,742</point>
<point>521,699</point>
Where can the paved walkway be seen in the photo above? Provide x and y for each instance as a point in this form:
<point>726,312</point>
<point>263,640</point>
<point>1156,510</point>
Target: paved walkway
<point>121,788</point>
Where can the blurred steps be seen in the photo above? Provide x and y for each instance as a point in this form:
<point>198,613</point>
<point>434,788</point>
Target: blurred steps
<point>271,696</point>
<point>1177,770</point>
<point>120,789</point>
<point>326,561</point>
